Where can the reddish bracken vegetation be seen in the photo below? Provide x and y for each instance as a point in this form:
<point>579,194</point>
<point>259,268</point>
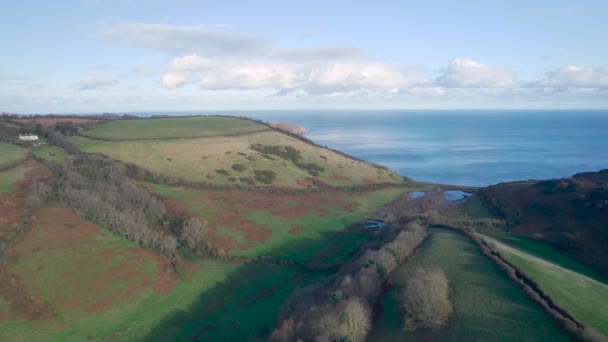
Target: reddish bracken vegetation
<point>339,178</point>
<point>570,213</point>
<point>230,209</point>
<point>46,122</point>
<point>296,230</point>
<point>12,204</point>
<point>120,272</point>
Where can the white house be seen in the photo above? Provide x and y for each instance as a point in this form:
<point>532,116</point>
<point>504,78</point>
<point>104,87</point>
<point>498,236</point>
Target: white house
<point>28,137</point>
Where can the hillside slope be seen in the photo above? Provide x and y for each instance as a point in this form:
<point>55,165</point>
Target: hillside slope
<point>569,214</point>
<point>228,151</point>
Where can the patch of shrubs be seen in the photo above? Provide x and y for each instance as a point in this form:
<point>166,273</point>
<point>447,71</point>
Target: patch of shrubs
<point>558,186</point>
<point>239,167</point>
<point>265,176</point>
<point>222,172</point>
<point>247,180</point>
<point>288,153</point>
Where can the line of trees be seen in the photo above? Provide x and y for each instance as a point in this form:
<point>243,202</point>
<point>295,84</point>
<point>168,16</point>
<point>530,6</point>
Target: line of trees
<point>100,190</point>
<point>340,309</point>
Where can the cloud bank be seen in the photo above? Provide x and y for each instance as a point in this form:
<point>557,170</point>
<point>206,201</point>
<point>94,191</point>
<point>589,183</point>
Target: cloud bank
<point>220,58</point>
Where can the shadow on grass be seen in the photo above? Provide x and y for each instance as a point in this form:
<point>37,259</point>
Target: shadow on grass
<point>245,306</point>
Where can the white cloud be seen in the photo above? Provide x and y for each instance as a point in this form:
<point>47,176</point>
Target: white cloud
<point>219,40</point>
<point>96,81</point>
<point>576,77</point>
<point>174,79</point>
<point>222,59</point>
<point>467,73</point>
<point>212,40</point>
<point>313,77</point>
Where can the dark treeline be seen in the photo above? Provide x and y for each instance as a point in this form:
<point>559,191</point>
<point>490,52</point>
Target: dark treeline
<point>340,309</point>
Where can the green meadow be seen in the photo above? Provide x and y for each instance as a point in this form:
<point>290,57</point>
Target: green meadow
<point>51,153</point>
<point>488,306</point>
<point>176,128</point>
<point>11,154</point>
<point>13,176</point>
<point>319,219</point>
<point>231,160</point>
<point>580,295</point>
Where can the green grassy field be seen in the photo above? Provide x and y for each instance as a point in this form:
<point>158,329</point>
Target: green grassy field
<point>11,154</point>
<point>255,224</point>
<point>198,160</point>
<point>581,296</point>
<point>488,306</point>
<point>545,251</point>
<point>13,176</point>
<point>187,127</point>
<point>52,153</point>
<point>98,284</point>
<point>474,208</point>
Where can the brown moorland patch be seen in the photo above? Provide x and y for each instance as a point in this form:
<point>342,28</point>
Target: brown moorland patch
<point>46,122</point>
<point>80,266</point>
<point>12,204</point>
<point>21,301</point>
<point>231,210</point>
<point>339,178</point>
<point>296,230</point>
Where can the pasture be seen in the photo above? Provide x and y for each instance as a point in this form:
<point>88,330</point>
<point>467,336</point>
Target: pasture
<point>173,128</point>
<point>259,224</point>
<point>51,153</point>
<point>10,154</point>
<point>10,177</point>
<point>488,306</point>
<point>231,160</point>
<point>581,296</point>
<point>545,251</point>
<point>67,279</point>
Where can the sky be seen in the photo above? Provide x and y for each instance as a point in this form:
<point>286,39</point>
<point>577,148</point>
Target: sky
<point>86,56</point>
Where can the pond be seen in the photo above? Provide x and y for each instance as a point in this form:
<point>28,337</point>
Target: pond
<point>374,224</point>
<point>417,194</point>
<point>457,195</point>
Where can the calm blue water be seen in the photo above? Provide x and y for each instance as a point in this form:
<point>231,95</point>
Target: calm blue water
<point>463,147</point>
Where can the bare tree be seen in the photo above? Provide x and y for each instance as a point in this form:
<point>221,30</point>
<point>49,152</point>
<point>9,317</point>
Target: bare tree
<point>195,233</point>
<point>425,300</point>
<point>356,319</point>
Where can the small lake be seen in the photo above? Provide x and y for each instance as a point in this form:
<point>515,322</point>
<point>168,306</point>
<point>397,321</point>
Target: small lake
<point>417,194</point>
<point>374,224</point>
<point>457,195</point>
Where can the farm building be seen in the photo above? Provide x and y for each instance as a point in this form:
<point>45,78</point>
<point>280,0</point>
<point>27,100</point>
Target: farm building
<point>28,137</point>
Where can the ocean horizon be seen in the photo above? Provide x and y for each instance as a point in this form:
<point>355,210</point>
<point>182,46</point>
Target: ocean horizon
<point>464,147</point>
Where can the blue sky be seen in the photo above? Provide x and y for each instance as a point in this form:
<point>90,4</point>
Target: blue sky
<point>127,55</point>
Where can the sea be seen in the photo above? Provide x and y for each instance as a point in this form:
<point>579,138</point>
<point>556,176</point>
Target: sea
<point>464,147</point>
